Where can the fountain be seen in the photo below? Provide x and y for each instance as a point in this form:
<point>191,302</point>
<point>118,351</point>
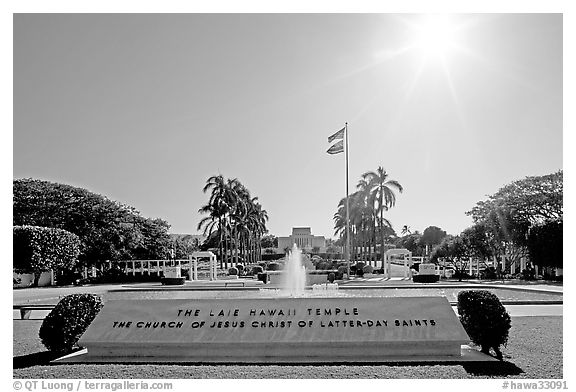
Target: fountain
<point>294,274</point>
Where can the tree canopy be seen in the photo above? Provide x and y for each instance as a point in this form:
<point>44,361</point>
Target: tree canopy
<point>433,235</point>
<point>536,200</point>
<point>107,229</point>
<point>522,214</point>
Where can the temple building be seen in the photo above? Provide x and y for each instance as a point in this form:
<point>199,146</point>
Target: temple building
<point>303,238</point>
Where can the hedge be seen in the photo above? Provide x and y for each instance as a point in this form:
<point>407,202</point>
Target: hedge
<point>425,278</point>
<point>38,249</point>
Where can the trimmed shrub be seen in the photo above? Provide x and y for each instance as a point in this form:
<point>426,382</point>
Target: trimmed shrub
<point>341,271</point>
<point>257,270</point>
<point>528,274</point>
<point>485,319</point>
<point>274,267</point>
<point>67,277</point>
<point>331,277</point>
<point>353,270</point>
<point>232,271</point>
<point>38,249</point>
<point>240,269</point>
<point>113,275</point>
<point>488,273</point>
<point>359,269</point>
<point>173,281</point>
<point>425,278</point>
<point>461,275</point>
<point>69,319</point>
<point>368,269</point>
<point>323,265</point>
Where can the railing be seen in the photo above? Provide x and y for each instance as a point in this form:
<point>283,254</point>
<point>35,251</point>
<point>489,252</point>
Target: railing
<point>131,267</point>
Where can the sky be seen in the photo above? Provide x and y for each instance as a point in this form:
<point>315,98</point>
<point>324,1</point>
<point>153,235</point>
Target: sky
<point>143,108</point>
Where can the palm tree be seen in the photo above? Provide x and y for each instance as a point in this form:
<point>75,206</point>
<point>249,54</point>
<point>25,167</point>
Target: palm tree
<point>240,219</point>
<point>406,230</point>
<point>381,191</point>
<point>369,215</point>
<point>238,197</point>
<point>259,217</point>
<point>218,207</point>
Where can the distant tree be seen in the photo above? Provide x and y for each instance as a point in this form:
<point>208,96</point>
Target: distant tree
<point>452,250</point>
<point>520,208</point>
<point>269,241</point>
<point>183,245</point>
<point>536,200</point>
<point>406,230</point>
<point>413,243</point>
<point>432,236</point>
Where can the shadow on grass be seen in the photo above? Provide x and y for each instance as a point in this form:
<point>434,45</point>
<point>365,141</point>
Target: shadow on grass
<point>36,359</point>
<point>499,368</point>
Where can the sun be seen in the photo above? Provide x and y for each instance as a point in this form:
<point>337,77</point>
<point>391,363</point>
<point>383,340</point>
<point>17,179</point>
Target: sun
<point>434,36</point>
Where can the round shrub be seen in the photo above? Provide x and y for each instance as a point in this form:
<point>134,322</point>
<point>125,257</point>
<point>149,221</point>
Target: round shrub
<point>331,277</point>
<point>368,269</point>
<point>321,265</point>
<point>232,271</point>
<point>359,269</point>
<point>112,275</point>
<point>240,268</point>
<point>69,319</point>
<point>274,267</point>
<point>257,270</point>
<point>352,270</point>
<point>488,273</point>
<point>341,271</point>
<point>485,319</point>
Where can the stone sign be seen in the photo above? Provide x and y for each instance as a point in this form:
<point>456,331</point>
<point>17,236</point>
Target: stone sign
<point>172,272</point>
<point>427,269</point>
<point>274,330</point>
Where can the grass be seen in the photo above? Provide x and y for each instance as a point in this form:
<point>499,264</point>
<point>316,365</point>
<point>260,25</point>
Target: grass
<point>534,351</point>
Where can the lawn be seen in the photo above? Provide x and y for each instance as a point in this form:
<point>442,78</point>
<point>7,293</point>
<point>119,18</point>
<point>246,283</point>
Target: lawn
<point>534,351</point>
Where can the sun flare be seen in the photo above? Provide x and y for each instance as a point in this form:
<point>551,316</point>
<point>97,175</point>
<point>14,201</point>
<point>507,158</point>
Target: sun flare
<point>435,36</point>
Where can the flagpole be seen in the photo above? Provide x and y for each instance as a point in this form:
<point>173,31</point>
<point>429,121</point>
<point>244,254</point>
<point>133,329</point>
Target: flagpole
<point>347,207</point>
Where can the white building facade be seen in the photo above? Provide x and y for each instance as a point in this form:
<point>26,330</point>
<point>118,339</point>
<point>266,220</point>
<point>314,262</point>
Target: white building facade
<point>304,239</point>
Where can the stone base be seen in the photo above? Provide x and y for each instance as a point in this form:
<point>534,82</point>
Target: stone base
<point>276,330</point>
<point>467,354</point>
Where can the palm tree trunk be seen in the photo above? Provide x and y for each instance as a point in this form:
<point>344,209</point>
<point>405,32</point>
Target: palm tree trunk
<point>220,244</point>
<point>382,230</point>
<point>236,243</point>
<point>226,247</point>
